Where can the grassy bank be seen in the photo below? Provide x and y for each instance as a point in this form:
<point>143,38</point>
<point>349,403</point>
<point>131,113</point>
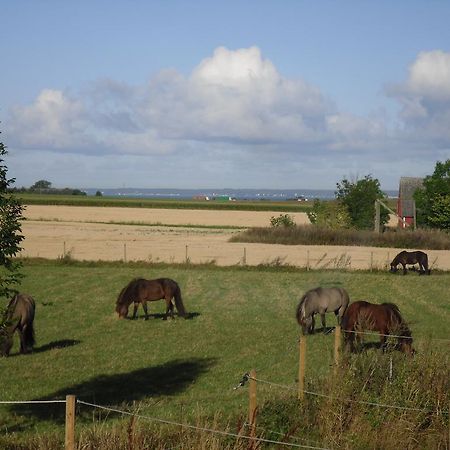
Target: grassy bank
<point>185,370</point>
<point>242,205</point>
<point>314,235</point>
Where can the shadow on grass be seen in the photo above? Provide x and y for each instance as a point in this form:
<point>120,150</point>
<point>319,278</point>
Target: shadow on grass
<point>109,390</point>
<point>63,343</point>
<point>50,346</point>
<point>189,315</point>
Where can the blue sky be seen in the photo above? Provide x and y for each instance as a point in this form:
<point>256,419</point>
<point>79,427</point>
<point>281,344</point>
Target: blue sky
<point>258,94</point>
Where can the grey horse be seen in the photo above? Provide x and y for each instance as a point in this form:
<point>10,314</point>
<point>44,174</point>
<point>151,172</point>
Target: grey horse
<point>320,301</point>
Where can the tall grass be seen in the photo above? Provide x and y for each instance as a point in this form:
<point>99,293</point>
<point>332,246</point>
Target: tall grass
<point>315,235</point>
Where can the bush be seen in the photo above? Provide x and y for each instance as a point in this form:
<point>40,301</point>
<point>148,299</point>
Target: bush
<point>283,220</point>
<point>329,214</point>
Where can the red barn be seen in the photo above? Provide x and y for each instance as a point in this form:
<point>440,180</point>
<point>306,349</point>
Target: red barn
<point>406,206</point>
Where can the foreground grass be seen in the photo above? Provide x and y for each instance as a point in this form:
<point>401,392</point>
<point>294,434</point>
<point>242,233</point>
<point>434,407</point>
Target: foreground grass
<point>242,205</point>
<point>185,370</point>
<point>315,235</point>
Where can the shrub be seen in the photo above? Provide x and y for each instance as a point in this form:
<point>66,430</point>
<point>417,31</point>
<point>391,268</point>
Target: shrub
<point>283,220</point>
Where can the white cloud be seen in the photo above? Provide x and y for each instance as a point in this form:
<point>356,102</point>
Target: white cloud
<point>425,99</point>
<point>235,111</point>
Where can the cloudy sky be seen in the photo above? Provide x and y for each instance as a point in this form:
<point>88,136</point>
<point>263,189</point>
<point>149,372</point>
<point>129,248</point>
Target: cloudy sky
<point>208,94</point>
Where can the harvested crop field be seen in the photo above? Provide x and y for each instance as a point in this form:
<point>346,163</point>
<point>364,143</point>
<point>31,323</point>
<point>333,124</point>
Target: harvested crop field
<point>170,235</point>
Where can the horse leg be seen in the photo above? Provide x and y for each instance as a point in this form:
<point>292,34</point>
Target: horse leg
<point>23,347</point>
<point>169,308</point>
<point>135,308</point>
<point>405,270</point>
<point>383,342</point>
<point>313,325</point>
<point>144,305</point>
<point>324,325</point>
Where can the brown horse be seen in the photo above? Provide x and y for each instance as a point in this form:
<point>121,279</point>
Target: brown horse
<point>384,318</point>
<point>405,258</point>
<point>142,291</point>
<point>19,316</point>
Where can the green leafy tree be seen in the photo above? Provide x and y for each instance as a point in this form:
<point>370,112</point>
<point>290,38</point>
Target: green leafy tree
<point>329,214</point>
<point>10,238</point>
<point>359,199</point>
<point>41,184</point>
<point>433,201</point>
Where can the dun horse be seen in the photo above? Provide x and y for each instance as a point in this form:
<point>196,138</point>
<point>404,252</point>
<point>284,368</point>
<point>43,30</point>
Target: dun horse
<point>142,291</point>
<point>384,318</point>
<point>320,301</point>
<point>19,316</point>
<point>405,258</point>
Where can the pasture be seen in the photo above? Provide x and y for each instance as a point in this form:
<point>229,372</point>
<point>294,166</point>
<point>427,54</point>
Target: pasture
<point>241,318</point>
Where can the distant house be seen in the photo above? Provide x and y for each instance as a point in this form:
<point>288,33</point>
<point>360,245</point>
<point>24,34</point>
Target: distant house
<point>406,206</point>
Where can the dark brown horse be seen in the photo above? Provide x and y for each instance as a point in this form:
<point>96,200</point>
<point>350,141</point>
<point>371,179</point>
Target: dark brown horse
<point>19,316</point>
<point>384,318</point>
<point>405,258</point>
<point>142,291</point>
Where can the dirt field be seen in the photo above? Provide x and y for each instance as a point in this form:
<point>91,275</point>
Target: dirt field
<point>89,233</point>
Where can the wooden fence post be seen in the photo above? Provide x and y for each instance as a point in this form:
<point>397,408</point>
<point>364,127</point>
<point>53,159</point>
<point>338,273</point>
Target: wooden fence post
<point>70,422</point>
<point>124,252</point>
<point>186,256</point>
<point>377,216</point>
<point>307,260</point>
<point>244,259</point>
<point>301,367</point>
<point>371,261</point>
<point>64,249</point>
<point>252,405</point>
<point>337,347</point>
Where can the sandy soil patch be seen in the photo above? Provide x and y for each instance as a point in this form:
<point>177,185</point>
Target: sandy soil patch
<point>52,231</point>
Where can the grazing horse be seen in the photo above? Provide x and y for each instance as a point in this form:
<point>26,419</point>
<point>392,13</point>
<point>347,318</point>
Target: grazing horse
<point>19,316</point>
<point>321,300</point>
<point>405,257</point>
<point>140,290</point>
<point>384,318</point>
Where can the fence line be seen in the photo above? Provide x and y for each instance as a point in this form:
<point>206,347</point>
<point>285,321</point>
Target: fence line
<point>317,394</point>
<point>11,402</point>
<point>197,428</point>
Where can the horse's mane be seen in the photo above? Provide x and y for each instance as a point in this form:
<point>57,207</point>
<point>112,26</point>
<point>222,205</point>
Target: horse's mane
<point>394,310</point>
<point>128,293</point>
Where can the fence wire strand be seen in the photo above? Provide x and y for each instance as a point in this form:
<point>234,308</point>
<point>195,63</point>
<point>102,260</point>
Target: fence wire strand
<point>317,394</point>
<point>197,428</point>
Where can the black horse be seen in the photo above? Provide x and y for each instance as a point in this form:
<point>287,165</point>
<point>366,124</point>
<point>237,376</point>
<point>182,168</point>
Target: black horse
<point>405,258</point>
<point>19,316</point>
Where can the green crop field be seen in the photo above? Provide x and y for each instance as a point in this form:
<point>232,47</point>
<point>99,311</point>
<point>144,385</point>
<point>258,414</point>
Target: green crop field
<point>123,202</point>
<point>241,318</point>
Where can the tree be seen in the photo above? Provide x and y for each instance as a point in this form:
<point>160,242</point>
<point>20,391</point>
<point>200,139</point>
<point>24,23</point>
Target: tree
<point>10,237</point>
<point>433,201</point>
<point>359,199</point>
<point>10,229</point>
<point>41,184</point>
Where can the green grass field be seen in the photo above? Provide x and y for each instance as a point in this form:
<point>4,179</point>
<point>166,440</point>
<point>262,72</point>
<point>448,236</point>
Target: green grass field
<point>242,318</point>
<point>242,205</point>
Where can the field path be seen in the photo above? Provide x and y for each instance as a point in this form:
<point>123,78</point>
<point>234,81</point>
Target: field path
<point>98,233</point>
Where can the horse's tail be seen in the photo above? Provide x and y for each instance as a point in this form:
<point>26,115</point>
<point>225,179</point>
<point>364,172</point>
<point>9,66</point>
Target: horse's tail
<point>179,301</point>
<point>301,312</point>
<point>425,264</point>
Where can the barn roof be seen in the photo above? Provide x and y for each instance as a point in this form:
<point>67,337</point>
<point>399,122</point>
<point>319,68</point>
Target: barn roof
<point>408,185</point>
